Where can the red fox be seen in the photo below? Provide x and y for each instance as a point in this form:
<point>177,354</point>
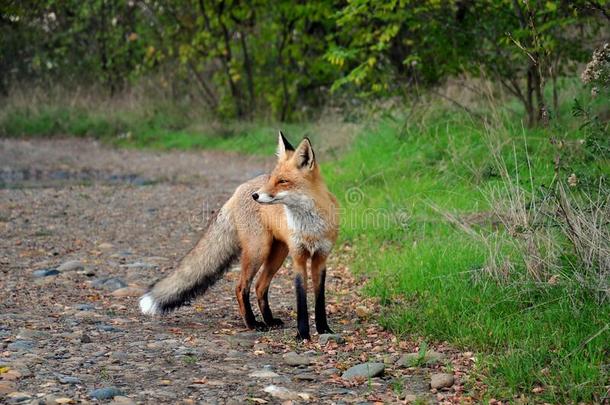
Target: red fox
<point>289,211</point>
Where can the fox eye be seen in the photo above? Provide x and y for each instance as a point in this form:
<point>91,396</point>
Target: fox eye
<point>282,181</point>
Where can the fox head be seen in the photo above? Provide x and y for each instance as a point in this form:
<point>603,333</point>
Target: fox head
<point>295,177</point>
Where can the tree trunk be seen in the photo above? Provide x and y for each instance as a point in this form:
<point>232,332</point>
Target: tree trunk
<point>529,99</point>
<point>249,75</point>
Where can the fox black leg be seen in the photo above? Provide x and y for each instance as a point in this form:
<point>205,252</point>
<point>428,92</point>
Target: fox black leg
<point>243,294</point>
<point>270,321</point>
<point>272,264</point>
<point>248,315</point>
<point>321,322</point>
<point>302,316</point>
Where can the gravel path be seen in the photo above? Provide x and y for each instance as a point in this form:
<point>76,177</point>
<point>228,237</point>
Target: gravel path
<point>86,228</point>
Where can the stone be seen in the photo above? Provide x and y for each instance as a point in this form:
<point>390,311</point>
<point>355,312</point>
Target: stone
<point>331,371</point>
<point>31,334</point>
<point>11,375</point>
<point>84,307</point>
<point>85,338</point>
<point>105,246</point>
<point>410,398</point>
<point>62,401</point>
<point>441,380</point>
<point>366,370</point>
<point>328,337</point>
<point>105,393</point>
<point>294,359</point>
<point>281,393</point>
<point>245,339</point>
<point>129,292</point>
<point>414,359</point>
<point>122,400</point>
<point>111,284</point>
<point>362,312</point>
<point>18,397</point>
<point>7,387</point>
<point>45,273</point>
<point>71,265</point>
<point>263,374</point>
<point>106,328</point>
<point>140,266</point>
<point>306,377</point>
<point>21,345</point>
<point>67,379</point>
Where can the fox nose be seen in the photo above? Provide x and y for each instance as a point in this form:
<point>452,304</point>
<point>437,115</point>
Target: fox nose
<point>255,196</point>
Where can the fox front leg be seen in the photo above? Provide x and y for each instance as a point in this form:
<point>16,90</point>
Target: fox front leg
<point>318,277</point>
<point>300,286</point>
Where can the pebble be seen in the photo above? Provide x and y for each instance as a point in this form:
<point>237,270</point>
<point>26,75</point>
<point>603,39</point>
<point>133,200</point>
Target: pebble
<point>29,334</point>
<point>11,375</point>
<point>71,265</point>
<point>84,307</point>
<point>112,283</point>
<point>245,339</point>
<point>365,370</point>
<point>105,246</point>
<point>128,292</point>
<point>410,398</point>
<point>263,374</point>
<point>140,266</point>
<point>412,359</point>
<point>59,401</point>
<point>121,400</point>
<point>85,338</point>
<point>294,359</point>
<point>281,392</point>
<point>362,312</point>
<point>306,377</point>
<point>441,380</point>
<point>107,328</point>
<point>21,345</point>
<point>7,387</point>
<point>327,337</point>
<point>66,379</point>
<point>331,371</point>
<point>45,273</point>
<point>105,393</point>
<point>18,397</point>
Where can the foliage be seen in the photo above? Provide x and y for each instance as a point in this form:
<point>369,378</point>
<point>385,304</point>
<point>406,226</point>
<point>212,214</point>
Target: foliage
<point>386,46</point>
<point>249,59</point>
<point>420,186</point>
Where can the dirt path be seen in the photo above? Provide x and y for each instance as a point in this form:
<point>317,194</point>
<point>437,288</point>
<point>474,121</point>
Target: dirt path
<point>102,224</point>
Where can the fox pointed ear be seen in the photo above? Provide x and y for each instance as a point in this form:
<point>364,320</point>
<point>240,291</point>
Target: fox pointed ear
<point>283,146</point>
<point>304,156</point>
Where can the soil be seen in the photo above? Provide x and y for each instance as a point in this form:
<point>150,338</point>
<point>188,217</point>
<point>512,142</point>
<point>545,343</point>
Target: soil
<point>104,224</point>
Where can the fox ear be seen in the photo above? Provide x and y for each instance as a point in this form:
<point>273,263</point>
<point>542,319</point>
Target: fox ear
<point>283,146</point>
<point>304,156</point>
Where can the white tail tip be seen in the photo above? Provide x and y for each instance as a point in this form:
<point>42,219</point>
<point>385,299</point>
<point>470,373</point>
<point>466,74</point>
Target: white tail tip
<point>148,306</point>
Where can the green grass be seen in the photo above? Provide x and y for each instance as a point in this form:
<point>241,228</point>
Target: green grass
<point>155,129</point>
<point>427,271</point>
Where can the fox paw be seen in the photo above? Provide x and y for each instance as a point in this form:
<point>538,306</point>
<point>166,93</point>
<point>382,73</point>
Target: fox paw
<point>275,323</point>
<point>301,338</point>
<point>260,326</point>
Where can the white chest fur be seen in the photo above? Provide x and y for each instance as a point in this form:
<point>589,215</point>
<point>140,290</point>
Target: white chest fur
<point>308,230</point>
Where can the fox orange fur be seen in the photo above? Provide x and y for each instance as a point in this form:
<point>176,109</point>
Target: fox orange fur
<point>288,212</point>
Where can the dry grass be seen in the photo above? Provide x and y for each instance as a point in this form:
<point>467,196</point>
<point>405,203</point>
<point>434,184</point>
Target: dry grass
<point>585,222</point>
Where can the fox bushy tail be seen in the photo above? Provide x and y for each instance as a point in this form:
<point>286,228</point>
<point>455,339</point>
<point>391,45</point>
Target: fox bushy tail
<point>198,270</point>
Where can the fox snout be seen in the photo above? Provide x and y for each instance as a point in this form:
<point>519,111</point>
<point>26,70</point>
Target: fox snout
<point>263,198</point>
